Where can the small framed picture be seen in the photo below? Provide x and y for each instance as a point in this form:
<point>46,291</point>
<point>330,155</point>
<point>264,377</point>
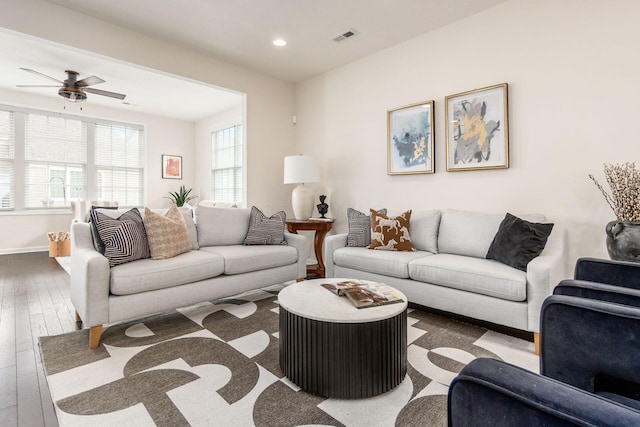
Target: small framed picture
<point>171,167</point>
<point>410,139</point>
<point>477,130</point>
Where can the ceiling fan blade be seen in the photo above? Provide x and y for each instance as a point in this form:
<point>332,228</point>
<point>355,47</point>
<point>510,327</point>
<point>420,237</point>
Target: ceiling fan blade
<point>89,81</point>
<point>104,93</point>
<point>38,86</point>
<point>28,70</point>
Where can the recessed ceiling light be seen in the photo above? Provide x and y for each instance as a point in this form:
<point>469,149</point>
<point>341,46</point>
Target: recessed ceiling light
<point>279,42</point>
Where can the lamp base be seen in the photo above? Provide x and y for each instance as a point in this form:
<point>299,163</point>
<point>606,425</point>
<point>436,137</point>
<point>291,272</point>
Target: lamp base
<point>302,202</point>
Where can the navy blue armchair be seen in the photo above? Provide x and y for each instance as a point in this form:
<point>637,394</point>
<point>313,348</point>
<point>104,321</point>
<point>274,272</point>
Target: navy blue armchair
<point>589,360</point>
<point>492,393</point>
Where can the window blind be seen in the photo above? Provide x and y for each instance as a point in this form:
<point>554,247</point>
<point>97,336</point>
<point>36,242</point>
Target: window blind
<point>226,161</point>
<point>119,160</point>
<point>55,160</point>
<point>7,155</point>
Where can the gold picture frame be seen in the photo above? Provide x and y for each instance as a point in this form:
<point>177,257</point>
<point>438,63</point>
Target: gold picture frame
<point>477,131</point>
<point>410,139</point>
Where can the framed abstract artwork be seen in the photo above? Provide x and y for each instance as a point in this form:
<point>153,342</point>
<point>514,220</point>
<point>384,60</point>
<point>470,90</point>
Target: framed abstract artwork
<point>171,167</point>
<point>477,130</point>
<point>410,139</point>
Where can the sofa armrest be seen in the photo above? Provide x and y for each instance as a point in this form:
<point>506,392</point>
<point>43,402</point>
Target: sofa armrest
<point>299,242</point>
<point>492,393</point>
<point>331,243</point>
<point>620,273</point>
<point>90,276</point>
<point>544,273</point>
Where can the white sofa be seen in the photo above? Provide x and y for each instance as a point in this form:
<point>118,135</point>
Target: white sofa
<point>448,270</point>
<point>218,265</point>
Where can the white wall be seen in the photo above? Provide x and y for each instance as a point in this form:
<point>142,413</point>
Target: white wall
<point>269,102</point>
<point>572,71</point>
<point>163,136</point>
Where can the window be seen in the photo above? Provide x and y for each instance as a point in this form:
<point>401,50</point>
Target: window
<point>47,160</point>
<point>226,165</point>
<point>6,160</point>
<point>55,156</point>
<point>119,164</point>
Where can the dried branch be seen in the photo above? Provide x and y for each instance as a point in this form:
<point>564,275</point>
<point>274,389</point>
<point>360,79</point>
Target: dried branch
<point>624,182</point>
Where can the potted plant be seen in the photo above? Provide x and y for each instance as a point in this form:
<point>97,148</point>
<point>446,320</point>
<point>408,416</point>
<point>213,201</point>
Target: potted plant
<point>623,234</point>
<point>180,197</point>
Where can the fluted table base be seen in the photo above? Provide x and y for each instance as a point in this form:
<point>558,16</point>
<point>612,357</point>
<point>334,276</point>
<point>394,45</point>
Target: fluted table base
<point>343,360</point>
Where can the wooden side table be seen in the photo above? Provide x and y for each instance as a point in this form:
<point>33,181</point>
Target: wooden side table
<point>321,229</point>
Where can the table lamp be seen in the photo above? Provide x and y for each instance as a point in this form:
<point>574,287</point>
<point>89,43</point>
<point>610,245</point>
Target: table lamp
<point>300,170</point>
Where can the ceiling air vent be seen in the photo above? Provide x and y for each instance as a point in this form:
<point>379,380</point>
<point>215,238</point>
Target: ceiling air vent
<point>345,35</point>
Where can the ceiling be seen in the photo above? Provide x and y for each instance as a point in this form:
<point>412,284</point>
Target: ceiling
<point>237,31</point>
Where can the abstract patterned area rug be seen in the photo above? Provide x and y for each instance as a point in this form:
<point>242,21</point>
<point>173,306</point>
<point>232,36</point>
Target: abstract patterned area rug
<point>216,364</point>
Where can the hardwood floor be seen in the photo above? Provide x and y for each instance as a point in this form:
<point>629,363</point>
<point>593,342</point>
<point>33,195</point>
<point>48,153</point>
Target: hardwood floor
<point>34,301</point>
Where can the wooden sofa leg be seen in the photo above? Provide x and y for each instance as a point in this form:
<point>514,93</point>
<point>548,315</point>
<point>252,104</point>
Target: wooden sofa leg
<point>536,343</point>
<point>78,319</point>
<point>94,336</point>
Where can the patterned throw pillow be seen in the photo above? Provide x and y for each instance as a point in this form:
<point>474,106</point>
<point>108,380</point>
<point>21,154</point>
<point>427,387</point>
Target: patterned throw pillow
<point>124,238</point>
<point>359,228</point>
<point>167,234</point>
<point>265,230</point>
<point>390,234</point>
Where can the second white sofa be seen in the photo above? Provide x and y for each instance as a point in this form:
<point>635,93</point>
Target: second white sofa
<point>448,270</point>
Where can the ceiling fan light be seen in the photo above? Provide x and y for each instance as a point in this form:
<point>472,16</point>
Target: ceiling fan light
<point>72,94</point>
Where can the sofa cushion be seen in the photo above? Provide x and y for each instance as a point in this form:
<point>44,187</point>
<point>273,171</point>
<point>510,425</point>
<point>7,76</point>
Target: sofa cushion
<point>148,275</point>
<point>243,259</point>
<point>264,230</point>
<point>467,233</point>
<point>394,264</point>
<point>167,234</point>
<point>517,241</point>
<point>424,230</point>
<point>390,233</point>
<point>359,223</point>
<point>481,276</point>
<point>221,226</point>
<point>124,237</point>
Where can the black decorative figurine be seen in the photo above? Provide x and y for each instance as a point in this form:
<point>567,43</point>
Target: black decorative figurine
<point>323,208</point>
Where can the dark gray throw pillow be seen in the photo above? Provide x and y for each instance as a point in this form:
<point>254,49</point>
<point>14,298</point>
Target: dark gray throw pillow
<point>517,241</point>
<point>124,238</point>
<point>359,223</point>
<point>265,230</point>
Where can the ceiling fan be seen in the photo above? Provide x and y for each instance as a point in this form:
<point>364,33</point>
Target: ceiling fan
<point>72,88</point>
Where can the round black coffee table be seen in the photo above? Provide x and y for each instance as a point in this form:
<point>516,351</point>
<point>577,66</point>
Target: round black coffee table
<point>330,348</point>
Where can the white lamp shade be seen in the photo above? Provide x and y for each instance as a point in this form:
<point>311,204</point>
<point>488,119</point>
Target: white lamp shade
<point>300,169</point>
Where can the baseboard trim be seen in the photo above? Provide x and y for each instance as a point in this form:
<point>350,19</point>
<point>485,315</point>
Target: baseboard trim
<point>24,250</point>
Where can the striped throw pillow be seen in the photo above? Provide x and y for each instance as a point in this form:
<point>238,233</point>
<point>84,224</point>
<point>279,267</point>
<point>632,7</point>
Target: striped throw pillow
<point>265,230</point>
<point>124,238</point>
<point>359,228</point>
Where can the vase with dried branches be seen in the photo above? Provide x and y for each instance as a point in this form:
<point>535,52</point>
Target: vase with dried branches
<point>623,234</point>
